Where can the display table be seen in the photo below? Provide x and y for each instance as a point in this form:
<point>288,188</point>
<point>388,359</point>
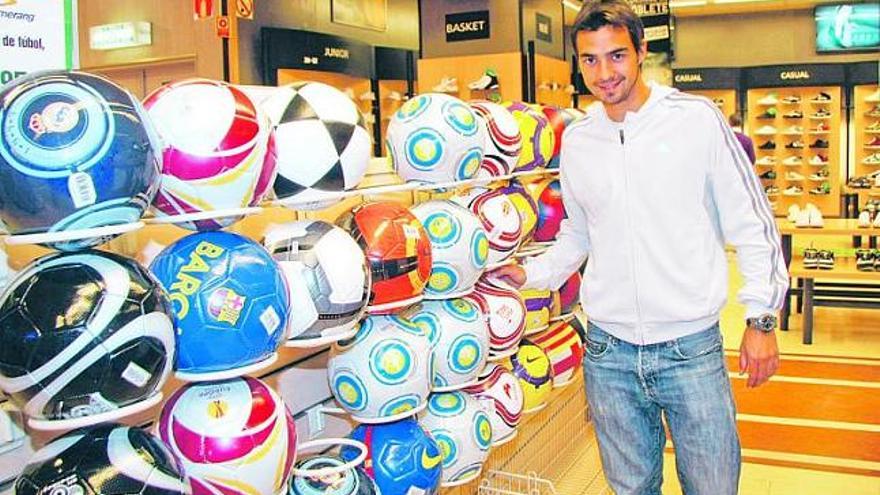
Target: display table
<point>845,287</point>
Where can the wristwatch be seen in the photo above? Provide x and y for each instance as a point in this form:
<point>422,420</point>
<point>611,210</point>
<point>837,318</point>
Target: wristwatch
<point>765,323</point>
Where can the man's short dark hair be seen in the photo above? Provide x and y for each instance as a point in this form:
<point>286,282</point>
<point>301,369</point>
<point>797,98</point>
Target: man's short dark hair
<point>616,13</point>
<point>735,120</point>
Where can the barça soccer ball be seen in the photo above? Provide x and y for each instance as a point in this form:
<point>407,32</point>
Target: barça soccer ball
<point>500,218</point>
<point>537,135</point>
<point>322,143</point>
<point>570,293</point>
<point>398,251</point>
<point>76,152</point>
<point>384,373</point>
<point>108,459</point>
<point>547,194</point>
<point>459,339</point>
<point>328,279</point>
<point>231,303</point>
<point>507,317</point>
<point>435,137</point>
<point>234,437</point>
<point>499,386</point>
<point>402,458</point>
<point>459,248</point>
<point>354,481</point>
<point>533,369</point>
<point>558,120</point>
<point>219,153</point>
<point>503,143</point>
<point>462,429</point>
<point>84,338</point>
<point>565,350</point>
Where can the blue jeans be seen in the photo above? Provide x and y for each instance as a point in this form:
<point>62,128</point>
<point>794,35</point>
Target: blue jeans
<point>629,386</point>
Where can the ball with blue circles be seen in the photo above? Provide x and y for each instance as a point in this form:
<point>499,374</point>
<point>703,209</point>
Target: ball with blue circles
<point>461,427</point>
<point>459,248</point>
<point>435,137</point>
<point>384,372</point>
<point>459,335</point>
<point>77,152</point>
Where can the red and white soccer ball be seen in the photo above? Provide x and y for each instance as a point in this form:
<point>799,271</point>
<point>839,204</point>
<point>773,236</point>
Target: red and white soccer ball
<point>499,386</point>
<point>503,142</point>
<point>500,218</point>
<point>507,317</point>
<point>233,437</point>
<point>219,150</point>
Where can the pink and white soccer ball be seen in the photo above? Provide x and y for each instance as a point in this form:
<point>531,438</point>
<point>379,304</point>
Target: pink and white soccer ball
<point>233,437</point>
<point>219,150</point>
<point>503,139</point>
<point>507,316</point>
<point>500,218</point>
<point>499,386</point>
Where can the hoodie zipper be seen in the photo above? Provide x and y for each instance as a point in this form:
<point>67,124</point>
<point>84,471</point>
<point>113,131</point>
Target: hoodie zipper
<point>629,225</point>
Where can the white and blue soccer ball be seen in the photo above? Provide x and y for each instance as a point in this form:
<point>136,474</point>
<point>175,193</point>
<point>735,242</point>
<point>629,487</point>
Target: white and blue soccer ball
<point>384,373</point>
<point>459,248</point>
<point>461,427</point>
<point>435,137</point>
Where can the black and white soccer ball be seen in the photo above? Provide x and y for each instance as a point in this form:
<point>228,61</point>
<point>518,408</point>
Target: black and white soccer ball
<point>322,144</point>
<point>109,459</point>
<point>328,279</point>
<point>84,337</point>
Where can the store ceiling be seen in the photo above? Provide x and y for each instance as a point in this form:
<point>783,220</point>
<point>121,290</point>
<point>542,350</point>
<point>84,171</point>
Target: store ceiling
<point>694,8</point>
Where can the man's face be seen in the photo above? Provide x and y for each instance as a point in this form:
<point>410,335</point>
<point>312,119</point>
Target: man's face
<point>609,63</point>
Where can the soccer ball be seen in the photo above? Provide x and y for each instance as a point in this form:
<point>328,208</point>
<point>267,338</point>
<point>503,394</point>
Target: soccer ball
<point>463,431</point>
<point>503,139</point>
<point>569,293</point>
<point>84,338</point>
<point>108,459</point>
<point>558,120</point>
<point>234,437</point>
<point>459,339</point>
<point>384,373</point>
<point>525,206</point>
<point>322,143</point>
<point>551,211</point>
<point>507,317</point>
<point>565,350</point>
<point>328,279</point>
<point>435,137</point>
<point>401,457</point>
<point>229,292</point>
<point>76,152</point>
<point>537,135</point>
<point>502,388</point>
<point>500,219</point>
<point>540,307</point>
<point>398,251</point>
<point>219,154</point>
<point>459,248</point>
<point>353,481</point>
<point>532,367</point>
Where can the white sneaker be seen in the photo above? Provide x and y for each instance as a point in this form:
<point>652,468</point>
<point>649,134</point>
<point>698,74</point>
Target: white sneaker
<point>544,86</point>
<point>877,220</point>
<point>794,130</point>
<point>793,191</point>
<point>794,177</point>
<point>447,85</point>
<point>816,219</point>
<point>817,160</point>
<point>803,219</point>
<point>767,130</point>
<point>368,96</point>
<point>793,160</point>
<point>767,160</point>
<point>768,100</point>
<point>865,219</point>
<point>793,212</point>
<point>489,80</point>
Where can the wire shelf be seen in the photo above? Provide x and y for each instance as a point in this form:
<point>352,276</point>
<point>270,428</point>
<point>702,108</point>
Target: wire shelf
<point>504,483</point>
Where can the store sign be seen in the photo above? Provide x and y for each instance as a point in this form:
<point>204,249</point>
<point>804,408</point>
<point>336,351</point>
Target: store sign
<point>688,78</point>
<point>655,17</point>
<point>796,75</point>
<point>543,28</point>
<point>294,49</point>
<point>37,35</point>
<point>120,35</point>
<point>465,26</point>
<point>707,78</point>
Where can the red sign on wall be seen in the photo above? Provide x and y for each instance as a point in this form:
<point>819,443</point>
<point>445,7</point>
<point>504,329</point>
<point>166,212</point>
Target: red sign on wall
<point>223,26</point>
<point>244,9</point>
<point>202,9</point>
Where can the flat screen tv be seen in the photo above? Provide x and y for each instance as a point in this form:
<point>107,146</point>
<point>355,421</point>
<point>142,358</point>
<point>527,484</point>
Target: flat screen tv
<point>847,27</point>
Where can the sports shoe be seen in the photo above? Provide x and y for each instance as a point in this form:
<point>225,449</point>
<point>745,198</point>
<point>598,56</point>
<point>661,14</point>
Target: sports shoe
<point>864,219</point>
<point>769,145</point>
<point>770,113</point>
<point>873,97</point>
<point>767,130</point>
<point>795,145</point>
<point>803,218</point>
<point>793,212</point>
<point>874,126</point>
<point>873,159</point>
<point>861,182</point>
<point>719,102</point>
<point>447,85</point>
<point>821,128</point>
<point>874,142</point>
<point>865,259</point>
<point>811,259</point>
<point>794,130</point>
<point>821,113</point>
<point>771,190</point>
<point>793,161</point>
<point>821,97</point>
<point>820,175</point>
<point>819,159</point>
<point>367,96</point>
<point>816,219</point>
<point>874,112</point>
<point>544,86</point>
<point>766,161</point>
<point>826,259</point>
<point>770,99</point>
<point>793,191</point>
<point>794,177</point>
<point>768,175</point>
<point>822,189</point>
<point>791,100</point>
<point>794,114</point>
<point>489,80</point>
<point>819,143</point>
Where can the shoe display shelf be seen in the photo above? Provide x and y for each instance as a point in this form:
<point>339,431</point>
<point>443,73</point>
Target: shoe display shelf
<point>816,282</point>
<point>458,76</point>
<point>796,132</point>
<point>551,81</point>
<point>865,129</point>
<point>391,95</point>
<point>724,99</point>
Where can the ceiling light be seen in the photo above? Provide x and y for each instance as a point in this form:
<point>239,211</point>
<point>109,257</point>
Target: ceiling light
<point>686,3</point>
<point>576,6</point>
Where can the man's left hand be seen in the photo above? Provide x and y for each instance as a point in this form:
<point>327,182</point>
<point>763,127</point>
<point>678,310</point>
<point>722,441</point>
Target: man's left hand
<point>759,355</point>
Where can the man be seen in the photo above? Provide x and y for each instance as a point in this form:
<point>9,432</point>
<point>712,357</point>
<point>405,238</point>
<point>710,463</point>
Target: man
<point>744,141</point>
<point>654,184</point>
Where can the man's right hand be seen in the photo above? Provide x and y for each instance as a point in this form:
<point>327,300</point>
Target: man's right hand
<point>512,274</point>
